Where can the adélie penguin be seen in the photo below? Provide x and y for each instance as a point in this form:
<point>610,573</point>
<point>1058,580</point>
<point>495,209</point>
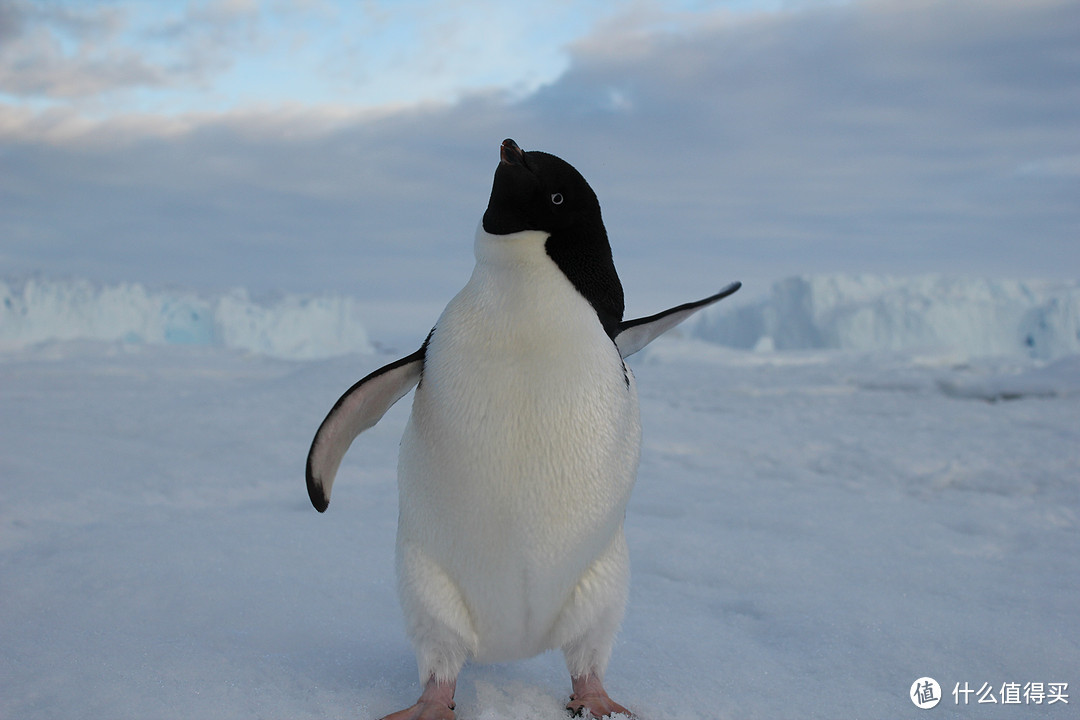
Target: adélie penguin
<point>522,447</point>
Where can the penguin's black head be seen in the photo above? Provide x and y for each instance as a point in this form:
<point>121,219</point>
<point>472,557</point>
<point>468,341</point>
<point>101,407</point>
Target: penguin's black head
<point>537,191</point>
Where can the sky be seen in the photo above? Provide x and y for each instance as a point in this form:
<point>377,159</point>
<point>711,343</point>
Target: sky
<point>317,146</point>
<point>104,57</point>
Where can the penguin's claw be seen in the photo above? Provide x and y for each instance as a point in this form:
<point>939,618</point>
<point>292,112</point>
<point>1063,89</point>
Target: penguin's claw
<point>590,700</point>
<point>597,707</point>
<point>424,711</point>
<point>436,703</point>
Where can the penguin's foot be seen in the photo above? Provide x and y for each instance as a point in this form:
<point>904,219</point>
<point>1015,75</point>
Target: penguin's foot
<point>590,700</point>
<point>436,703</point>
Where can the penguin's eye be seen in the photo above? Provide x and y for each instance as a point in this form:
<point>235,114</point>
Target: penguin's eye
<point>556,199</point>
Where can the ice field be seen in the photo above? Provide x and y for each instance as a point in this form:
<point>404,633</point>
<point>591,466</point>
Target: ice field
<point>814,527</point>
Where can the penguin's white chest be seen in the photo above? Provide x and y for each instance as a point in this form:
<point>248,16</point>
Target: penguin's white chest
<point>522,447</point>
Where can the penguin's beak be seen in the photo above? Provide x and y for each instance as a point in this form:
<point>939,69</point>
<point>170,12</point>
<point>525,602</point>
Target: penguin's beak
<point>510,153</point>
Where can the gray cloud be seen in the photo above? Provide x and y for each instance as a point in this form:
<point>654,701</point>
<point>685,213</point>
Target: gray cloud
<point>877,136</point>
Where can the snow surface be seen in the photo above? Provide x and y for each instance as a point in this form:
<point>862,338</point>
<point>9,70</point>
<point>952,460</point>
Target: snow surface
<point>812,530</point>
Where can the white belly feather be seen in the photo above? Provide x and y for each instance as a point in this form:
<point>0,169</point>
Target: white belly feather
<point>522,447</point>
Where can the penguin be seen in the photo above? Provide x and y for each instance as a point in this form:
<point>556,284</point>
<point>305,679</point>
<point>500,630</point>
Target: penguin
<point>519,455</point>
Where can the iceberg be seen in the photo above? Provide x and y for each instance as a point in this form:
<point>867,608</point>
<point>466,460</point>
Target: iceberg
<point>295,327</point>
<point>1036,320</point>
<point>973,317</point>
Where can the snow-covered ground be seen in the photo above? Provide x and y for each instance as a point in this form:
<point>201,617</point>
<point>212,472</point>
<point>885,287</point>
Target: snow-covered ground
<point>812,531</point>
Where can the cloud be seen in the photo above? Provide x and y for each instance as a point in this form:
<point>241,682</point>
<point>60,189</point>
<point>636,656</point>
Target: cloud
<point>102,58</point>
<point>881,133</point>
<point>54,52</point>
<point>57,51</point>
<point>880,136</point>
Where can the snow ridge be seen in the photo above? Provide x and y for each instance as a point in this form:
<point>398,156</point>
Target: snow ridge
<point>972,317</point>
<point>291,326</point>
<point>975,317</point>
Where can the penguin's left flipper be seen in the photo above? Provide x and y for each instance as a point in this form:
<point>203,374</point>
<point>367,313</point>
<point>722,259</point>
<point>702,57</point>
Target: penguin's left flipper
<point>358,409</point>
<point>636,334</point>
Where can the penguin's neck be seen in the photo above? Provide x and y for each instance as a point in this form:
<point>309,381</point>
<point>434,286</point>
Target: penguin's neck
<point>516,287</point>
<point>519,252</point>
<point>514,275</point>
<point>583,260</point>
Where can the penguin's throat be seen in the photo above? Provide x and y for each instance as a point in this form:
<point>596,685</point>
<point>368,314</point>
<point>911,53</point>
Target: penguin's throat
<point>507,250</point>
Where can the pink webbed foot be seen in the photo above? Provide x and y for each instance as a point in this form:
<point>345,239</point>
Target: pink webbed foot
<point>590,700</point>
<point>436,703</point>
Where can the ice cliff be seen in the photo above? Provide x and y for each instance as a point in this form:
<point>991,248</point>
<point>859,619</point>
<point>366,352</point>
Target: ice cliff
<point>291,326</point>
<point>973,317</point>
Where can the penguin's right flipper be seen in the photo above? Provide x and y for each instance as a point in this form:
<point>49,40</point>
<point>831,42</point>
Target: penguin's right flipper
<point>358,409</point>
